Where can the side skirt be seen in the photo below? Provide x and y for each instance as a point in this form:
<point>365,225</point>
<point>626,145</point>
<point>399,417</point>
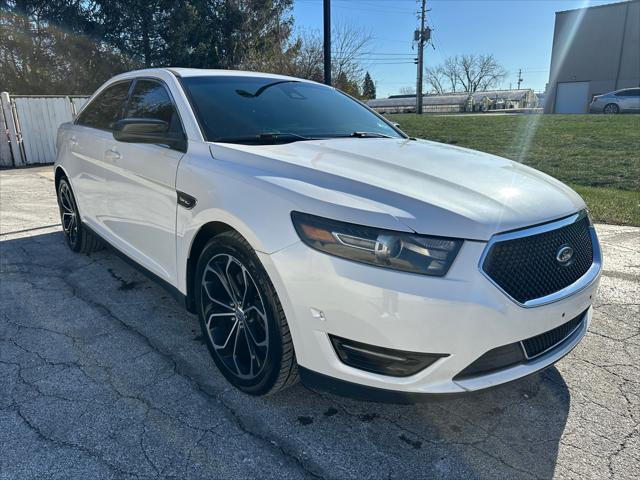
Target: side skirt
<point>175,293</point>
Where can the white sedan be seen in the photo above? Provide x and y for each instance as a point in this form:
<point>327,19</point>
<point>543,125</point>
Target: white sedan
<point>315,240</point>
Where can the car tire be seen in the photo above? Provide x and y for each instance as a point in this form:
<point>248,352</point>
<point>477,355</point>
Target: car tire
<point>242,320</point>
<point>77,237</point>
<point>611,109</point>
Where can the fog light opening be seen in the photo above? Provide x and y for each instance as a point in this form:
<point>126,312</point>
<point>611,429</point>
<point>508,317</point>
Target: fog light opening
<point>383,361</point>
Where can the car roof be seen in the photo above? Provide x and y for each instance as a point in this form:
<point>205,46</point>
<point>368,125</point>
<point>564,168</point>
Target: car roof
<point>204,72</point>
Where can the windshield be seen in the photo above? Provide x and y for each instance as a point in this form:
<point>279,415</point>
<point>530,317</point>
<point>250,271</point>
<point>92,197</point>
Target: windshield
<point>256,110</point>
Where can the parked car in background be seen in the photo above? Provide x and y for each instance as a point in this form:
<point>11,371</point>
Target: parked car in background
<point>315,239</point>
<point>626,100</point>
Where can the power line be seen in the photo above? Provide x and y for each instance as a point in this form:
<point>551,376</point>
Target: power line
<point>382,53</point>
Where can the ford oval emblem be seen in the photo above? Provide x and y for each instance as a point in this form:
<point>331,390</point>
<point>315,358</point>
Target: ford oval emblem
<point>564,255</point>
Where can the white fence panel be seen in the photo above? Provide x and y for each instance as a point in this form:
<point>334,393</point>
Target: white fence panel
<point>12,131</point>
<point>78,103</point>
<point>5,149</point>
<point>39,119</point>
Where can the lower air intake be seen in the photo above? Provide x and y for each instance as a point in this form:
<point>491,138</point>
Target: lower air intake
<point>522,352</point>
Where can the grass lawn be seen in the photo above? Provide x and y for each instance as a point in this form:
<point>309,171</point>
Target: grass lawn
<point>597,155</point>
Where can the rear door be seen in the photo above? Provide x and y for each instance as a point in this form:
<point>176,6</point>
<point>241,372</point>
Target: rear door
<point>87,139</point>
<point>141,217</point>
<point>632,100</point>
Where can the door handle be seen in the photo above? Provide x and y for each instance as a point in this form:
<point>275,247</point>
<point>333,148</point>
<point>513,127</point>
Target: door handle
<point>73,141</point>
<point>112,154</point>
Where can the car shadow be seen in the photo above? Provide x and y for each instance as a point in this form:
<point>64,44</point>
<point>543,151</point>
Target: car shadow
<point>111,311</point>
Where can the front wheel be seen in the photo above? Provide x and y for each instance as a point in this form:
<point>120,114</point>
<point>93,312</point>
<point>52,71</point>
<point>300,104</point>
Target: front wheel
<point>241,317</point>
<point>611,109</point>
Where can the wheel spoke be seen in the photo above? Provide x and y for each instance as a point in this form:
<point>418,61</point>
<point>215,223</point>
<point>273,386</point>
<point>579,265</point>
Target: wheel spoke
<point>233,329</point>
<point>63,199</point>
<point>73,229</point>
<point>215,300</point>
<point>246,286</point>
<point>233,287</point>
<point>262,343</point>
<point>213,315</point>
<point>253,308</point>
<point>67,220</point>
<point>222,278</point>
<point>252,353</point>
<point>235,347</point>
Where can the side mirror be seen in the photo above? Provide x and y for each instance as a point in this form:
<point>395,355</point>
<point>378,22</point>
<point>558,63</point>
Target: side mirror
<point>395,124</point>
<point>148,130</point>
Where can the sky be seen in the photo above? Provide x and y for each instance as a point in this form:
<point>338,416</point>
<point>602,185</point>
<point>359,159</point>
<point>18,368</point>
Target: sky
<point>519,33</point>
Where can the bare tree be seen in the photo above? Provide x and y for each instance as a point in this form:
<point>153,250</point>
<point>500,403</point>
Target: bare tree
<point>303,57</point>
<point>349,44</point>
<point>407,90</point>
<point>480,72</point>
<point>466,73</point>
<point>436,80</point>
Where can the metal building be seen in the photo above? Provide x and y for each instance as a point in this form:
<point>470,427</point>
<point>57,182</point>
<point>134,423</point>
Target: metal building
<point>457,102</point>
<point>595,50</point>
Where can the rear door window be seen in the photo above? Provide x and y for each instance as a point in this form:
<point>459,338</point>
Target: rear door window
<point>106,109</point>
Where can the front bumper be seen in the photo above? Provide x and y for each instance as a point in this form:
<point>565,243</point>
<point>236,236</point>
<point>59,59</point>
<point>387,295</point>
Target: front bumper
<point>462,315</point>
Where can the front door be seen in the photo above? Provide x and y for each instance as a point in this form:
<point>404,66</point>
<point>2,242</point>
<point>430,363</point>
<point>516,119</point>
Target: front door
<point>142,212</point>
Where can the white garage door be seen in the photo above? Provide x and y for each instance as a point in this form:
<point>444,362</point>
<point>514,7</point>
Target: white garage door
<point>572,97</point>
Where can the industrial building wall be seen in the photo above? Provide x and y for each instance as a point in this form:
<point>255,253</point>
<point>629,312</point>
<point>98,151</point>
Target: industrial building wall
<point>630,62</point>
<point>599,45</point>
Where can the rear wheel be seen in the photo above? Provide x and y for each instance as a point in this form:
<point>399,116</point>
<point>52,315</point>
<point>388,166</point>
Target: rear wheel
<point>77,237</point>
<point>611,108</point>
<point>241,317</point>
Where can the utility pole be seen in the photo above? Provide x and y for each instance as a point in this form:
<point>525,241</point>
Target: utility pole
<point>519,78</point>
<point>421,36</point>
<point>327,41</point>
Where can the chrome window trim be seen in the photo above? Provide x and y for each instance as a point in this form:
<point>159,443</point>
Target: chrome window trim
<point>583,282</point>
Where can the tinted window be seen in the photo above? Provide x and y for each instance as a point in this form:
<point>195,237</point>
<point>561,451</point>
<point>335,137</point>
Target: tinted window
<point>241,109</point>
<point>629,93</point>
<point>151,100</point>
<point>106,108</point>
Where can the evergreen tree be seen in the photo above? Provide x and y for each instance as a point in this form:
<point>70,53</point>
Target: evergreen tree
<point>347,85</point>
<point>368,88</point>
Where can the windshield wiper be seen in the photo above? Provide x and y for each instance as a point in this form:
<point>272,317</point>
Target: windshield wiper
<point>265,138</point>
<point>359,134</point>
<point>368,135</point>
<point>261,90</point>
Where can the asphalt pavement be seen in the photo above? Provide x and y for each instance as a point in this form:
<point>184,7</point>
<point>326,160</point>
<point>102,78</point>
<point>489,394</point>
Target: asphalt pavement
<point>104,375</point>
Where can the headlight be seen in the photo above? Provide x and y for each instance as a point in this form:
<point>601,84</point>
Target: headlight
<point>383,248</point>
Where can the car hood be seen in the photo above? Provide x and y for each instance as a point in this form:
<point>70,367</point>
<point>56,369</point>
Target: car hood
<point>431,188</point>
